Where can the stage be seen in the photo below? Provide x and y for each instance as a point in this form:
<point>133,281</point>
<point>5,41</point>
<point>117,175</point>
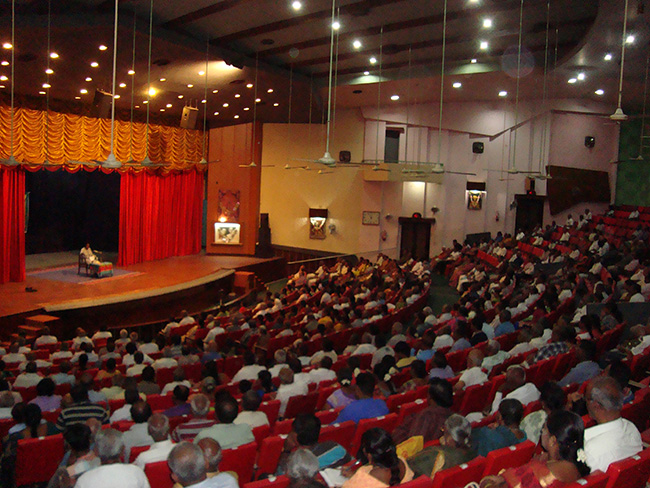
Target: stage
<point>144,292</point>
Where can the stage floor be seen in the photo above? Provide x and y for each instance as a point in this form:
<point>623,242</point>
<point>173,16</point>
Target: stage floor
<point>145,280</point>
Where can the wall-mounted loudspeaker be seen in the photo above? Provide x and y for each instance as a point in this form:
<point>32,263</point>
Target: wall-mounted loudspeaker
<point>345,157</point>
<point>478,147</point>
<point>188,117</point>
<point>102,104</point>
<point>590,141</point>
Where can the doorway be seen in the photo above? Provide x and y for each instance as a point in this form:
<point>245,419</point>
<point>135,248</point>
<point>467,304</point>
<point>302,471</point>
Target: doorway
<point>415,237</point>
<point>530,212</point>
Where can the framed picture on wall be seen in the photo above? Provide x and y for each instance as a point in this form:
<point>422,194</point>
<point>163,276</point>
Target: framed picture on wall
<point>474,200</point>
<point>370,218</point>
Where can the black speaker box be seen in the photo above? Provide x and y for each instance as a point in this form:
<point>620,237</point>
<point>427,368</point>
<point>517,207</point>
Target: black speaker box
<point>188,117</point>
<point>478,147</point>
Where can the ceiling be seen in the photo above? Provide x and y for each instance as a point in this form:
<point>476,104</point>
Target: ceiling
<point>560,39</point>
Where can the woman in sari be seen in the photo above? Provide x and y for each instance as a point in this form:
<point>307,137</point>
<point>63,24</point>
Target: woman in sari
<point>563,461</point>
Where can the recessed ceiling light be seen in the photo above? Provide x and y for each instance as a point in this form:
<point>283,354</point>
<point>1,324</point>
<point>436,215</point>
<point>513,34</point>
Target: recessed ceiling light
<point>47,85</point>
<point>102,47</point>
<point>572,81</point>
<point>474,61</point>
<point>215,91</point>
<point>41,93</point>
<point>201,73</point>
<point>2,86</point>
<point>487,23</point>
<point>163,79</point>
<point>258,100</point>
<point>162,109</point>
<point>94,64</point>
<point>180,96</point>
<point>5,63</point>
<point>296,5</point>
<point>226,105</point>
<point>145,101</point>
<point>457,84</point>
<point>599,92</point>
<point>77,98</point>
<point>503,93</point>
<point>54,55</point>
<point>122,85</point>
<point>216,113</point>
<point>249,85</point>
<point>49,71</point>
<point>7,45</point>
<point>236,116</point>
<point>366,73</point>
<point>581,76</point>
<point>3,78</point>
<point>203,101</point>
<point>356,44</point>
<point>152,92</point>
<point>169,105</point>
<point>116,97</point>
<point>629,39</point>
<point>336,25</point>
<point>137,106</point>
<point>246,109</point>
<point>237,95</point>
<point>394,97</point>
<point>83,91</point>
<point>190,85</point>
<point>88,78</point>
<point>373,60</point>
<point>130,72</point>
<point>270,90</point>
<point>276,104</point>
<point>483,45</point>
<point>608,57</point>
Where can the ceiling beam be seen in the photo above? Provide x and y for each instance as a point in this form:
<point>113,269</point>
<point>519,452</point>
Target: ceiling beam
<point>203,13</point>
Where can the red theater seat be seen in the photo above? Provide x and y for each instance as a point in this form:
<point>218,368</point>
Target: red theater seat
<point>459,476</point>
<point>508,457</point>
<point>159,475</point>
<point>38,459</point>
<point>241,460</point>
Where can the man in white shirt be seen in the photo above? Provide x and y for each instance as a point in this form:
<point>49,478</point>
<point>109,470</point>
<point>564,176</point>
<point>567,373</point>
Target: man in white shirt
<point>80,339</point>
<point>29,378</point>
<point>179,379</point>
<point>249,370</point>
<point>63,353</point>
<point>158,428</point>
<point>493,355</point>
<point>473,375</point>
<point>167,361</point>
<point>323,372</point>
<point>45,338</point>
<point>382,351</point>
<point>614,438</point>
<point>288,388</point>
<point>13,356</point>
<point>366,346</point>
<point>109,445</point>
<point>139,365</point>
<point>515,387</point>
<point>138,433</point>
<point>131,396</point>
<point>280,357</point>
<point>214,332</point>
<point>103,333</point>
<point>188,465</point>
<point>87,255</point>
<point>250,415</point>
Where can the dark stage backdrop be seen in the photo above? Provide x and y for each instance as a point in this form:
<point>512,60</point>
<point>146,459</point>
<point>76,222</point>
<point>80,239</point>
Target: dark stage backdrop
<point>66,210</point>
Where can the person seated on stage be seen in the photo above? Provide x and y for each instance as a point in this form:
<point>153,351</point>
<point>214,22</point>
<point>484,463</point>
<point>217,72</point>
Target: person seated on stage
<point>45,338</point>
<point>88,255</point>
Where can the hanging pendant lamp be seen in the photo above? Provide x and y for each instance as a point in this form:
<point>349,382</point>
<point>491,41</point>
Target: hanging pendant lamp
<point>619,115</point>
<point>111,161</point>
<point>11,160</point>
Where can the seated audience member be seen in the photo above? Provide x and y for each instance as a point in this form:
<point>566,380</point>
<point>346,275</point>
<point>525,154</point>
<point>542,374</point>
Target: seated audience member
<point>345,394</point>
<point>179,380</point>
<point>158,428</point>
<point>81,338</point>
<point>45,397</point>
<point>454,449</point>
<point>305,431</point>
<point>429,422</point>
<point>380,465</point>
<point>110,370</point>
<point>365,406</point>
<point>63,352</point>
<point>460,334</point>
<point>45,338</point>
<point>614,438</point>
<point>80,410</point>
<point>366,346</point>
<point>189,468</point>
<point>493,356</point>
<point>396,335</point>
<point>384,372</point>
<point>250,415</point>
<point>515,387</point>
<point>562,439</point>
<point>32,428</point>
<point>78,440</point>
<point>249,370</point>
<point>187,357</point>
<point>504,326</point>
<point>63,376</point>
<point>13,357</point>
<point>102,333</point>
<point>109,446</point>
<point>138,433</point>
<point>403,355</point>
<point>226,433</point>
<point>280,358</point>
<point>382,350</point>
<point>166,361</point>
<point>131,396</point>
<point>323,372</point>
<point>129,359</point>
<point>7,403</point>
<point>95,396</point>
<point>302,468</point>
<point>147,384</point>
<point>418,376</point>
<point>439,367</point>
<point>289,388</point>
<point>138,365</point>
<point>553,398</point>
<point>622,374</point>
<point>523,343</point>
<point>328,351</point>
<point>473,375</point>
<point>116,390</point>
<point>505,433</point>
<point>40,363</point>
<point>109,352</point>
<point>179,398</point>
<point>586,368</point>
<point>123,340</point>
<point>200,405</point>
<point>562,339</point>
<point>29,378</point>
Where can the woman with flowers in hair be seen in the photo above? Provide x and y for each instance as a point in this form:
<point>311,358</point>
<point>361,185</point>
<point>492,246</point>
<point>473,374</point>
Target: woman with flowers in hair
<point>343,396</point>
<point>563,460</point>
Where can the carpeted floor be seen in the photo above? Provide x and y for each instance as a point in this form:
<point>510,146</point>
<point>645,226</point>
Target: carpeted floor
<point>69,275</point>
<point>441,293</point>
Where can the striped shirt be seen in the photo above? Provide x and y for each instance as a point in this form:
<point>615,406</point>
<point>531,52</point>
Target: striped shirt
<point>79,413</point>
<point>189,430</point>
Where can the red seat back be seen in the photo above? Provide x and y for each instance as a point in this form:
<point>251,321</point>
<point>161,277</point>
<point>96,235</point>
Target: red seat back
<point>38,459</point>
<point>160,402</point>
<point>271,409</point>
<point>301,404</point>
<point>339,433</point>
<point>508,457</point>
<point>460,475</point>
<point>421,482</point>
<point>240,460</point>
<point>328,416</point>
<point>475,398</point>
<point>597,479</point>
<point>323,395</point>
<point>411,408</point>
<point>272,482</point>
<point>164,376</point>
<point>159,474</point>
<point>261,432</point>
<point>386,422</point>
<point>632,472</point>
<point>282,427</point>
<point>136,451</point>
<point>269,455</point>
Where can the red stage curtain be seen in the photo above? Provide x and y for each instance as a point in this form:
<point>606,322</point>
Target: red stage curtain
<point>12,224</point>
<point>160,215</point>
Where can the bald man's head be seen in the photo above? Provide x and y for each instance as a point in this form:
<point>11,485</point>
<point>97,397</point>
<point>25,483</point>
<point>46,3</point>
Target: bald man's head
<point>211,452</point>
<point>474,358</point>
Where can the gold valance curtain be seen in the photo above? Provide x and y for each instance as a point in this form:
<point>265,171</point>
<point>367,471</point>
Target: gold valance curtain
<point>67,139</point>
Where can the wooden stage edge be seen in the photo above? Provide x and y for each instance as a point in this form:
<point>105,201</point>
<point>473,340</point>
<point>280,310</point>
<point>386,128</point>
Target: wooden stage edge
<point>154,291</point>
